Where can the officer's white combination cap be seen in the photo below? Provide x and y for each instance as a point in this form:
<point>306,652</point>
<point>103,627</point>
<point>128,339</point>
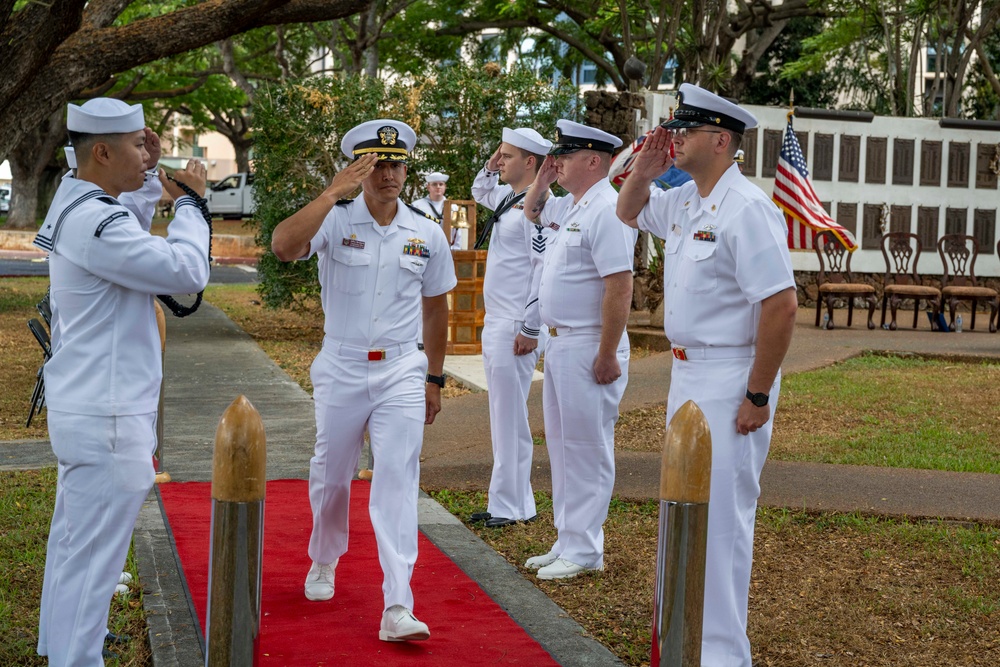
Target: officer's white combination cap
<point>436,177</point>
<point>392,140</point>
<point>572,137</point>
<point>696,106</point>
<point>104,115</point>
<point>527,139</point>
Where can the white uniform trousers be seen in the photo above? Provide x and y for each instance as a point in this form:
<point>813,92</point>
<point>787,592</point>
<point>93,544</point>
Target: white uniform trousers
<point>719,388</point>
<point>389,396</point>
<point>508,380</point>
<point>580,417</point>
<point>105,474</point>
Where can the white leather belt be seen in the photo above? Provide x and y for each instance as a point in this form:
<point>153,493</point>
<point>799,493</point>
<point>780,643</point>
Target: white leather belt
<point>565,331</point>
<point>370,354</point>
<point>706,353</point>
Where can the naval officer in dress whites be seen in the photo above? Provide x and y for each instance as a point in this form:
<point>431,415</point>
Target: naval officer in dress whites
<point>102,383</point>
<point>380,263</point>
<point>730,298</point>
<point>584,298</point>
<point>512,334</point>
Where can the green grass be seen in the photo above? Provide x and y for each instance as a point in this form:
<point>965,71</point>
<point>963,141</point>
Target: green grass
<point>892,411</point>
<point>26,500</point>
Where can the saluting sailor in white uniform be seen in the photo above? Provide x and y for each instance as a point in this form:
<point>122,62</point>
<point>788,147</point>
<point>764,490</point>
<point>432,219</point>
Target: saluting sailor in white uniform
<point>512,335</point>
<point>585,296</point>
<point>433,205</point>
<point>102,383</point>
<point>730,302</point>
<point>380,262</point>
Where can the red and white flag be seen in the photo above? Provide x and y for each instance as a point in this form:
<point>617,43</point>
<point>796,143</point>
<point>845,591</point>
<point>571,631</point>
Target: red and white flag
<point>794,194</point>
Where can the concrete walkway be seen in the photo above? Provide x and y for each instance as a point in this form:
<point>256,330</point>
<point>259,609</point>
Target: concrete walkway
<point>210,361</point>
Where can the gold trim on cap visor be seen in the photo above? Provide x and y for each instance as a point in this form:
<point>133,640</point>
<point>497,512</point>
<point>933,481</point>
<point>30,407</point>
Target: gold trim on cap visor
<point>380,149</point>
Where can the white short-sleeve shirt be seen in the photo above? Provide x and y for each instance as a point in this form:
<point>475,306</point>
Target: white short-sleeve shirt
<point>372,278</point>
<point>590,243</point>
<point>723,255</point>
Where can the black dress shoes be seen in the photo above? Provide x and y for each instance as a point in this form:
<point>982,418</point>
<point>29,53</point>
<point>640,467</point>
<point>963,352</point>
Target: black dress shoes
<point>479,517</point>
<point>502,522</point>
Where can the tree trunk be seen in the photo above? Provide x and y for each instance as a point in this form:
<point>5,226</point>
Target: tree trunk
<point>28,161</point>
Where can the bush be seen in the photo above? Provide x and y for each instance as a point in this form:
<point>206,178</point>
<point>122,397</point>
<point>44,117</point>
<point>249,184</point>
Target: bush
<point>459,115</point>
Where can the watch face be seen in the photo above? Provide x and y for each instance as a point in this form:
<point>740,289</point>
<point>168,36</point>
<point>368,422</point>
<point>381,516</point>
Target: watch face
<point>760,400</point>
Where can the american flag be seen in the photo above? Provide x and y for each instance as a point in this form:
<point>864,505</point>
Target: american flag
<point>794,194</point>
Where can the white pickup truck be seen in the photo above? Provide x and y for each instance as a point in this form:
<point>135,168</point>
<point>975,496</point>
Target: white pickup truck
<point>232,197</point>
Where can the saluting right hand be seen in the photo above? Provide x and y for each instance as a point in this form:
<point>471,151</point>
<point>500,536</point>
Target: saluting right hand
<point>494,162</point>
<point>547,173</point>
<point>654,157</point>
<point>349,179</point>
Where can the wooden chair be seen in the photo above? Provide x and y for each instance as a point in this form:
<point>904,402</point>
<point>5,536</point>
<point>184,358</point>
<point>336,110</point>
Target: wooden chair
<point>901,251</point>
<point>958,255</point>
<point>835,280</point>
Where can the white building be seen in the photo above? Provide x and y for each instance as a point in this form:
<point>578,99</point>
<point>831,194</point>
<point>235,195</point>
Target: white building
<point>935,176</point>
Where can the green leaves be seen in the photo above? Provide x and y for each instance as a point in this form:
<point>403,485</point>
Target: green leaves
<point>459,114</point>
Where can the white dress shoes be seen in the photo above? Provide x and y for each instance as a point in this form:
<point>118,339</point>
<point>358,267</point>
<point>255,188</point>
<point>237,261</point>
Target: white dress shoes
<point>536,562</point>
<point>561,568</point>
<point>319,581</point>
<point>400,625</point>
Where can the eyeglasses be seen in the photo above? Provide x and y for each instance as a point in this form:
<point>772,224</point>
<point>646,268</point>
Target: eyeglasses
<point>683,132</point>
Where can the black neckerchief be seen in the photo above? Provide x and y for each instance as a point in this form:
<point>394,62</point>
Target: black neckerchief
<point>504,206</point>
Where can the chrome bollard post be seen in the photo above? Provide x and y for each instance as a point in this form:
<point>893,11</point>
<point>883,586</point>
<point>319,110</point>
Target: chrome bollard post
<point>161,324</point>
<point>236,556</point>
<point>685,480</point>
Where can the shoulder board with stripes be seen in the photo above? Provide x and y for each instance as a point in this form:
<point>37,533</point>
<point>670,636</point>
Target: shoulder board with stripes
<point>422,214</point>
<point>107,221</point>
<point>46,238</point>
<point>343,202</point>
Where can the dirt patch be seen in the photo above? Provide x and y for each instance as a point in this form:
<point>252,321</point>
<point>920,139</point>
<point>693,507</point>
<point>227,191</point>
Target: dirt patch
<point>826,589</point>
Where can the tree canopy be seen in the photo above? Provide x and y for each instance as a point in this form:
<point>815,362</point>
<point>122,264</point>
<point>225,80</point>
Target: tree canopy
<point>53,52</point>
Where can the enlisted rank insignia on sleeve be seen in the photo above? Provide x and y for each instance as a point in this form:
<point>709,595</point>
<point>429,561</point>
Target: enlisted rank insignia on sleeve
<point>353,242</point>
<point>416,248</point>
<point>107,221</point>
<point>538,240</point>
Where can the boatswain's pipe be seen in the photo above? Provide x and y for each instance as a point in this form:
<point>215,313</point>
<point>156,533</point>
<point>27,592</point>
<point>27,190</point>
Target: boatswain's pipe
<point>685,480</point>
<point>234,575</point>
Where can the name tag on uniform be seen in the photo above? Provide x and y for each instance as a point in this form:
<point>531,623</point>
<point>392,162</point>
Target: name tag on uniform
<point>353,242</point>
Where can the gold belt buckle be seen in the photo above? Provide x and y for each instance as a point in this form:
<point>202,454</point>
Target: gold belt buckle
<point>679,352</point>
<point>376,355</point>
<point>553,332</point>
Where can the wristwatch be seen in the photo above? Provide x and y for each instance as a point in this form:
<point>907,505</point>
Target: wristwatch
<point>759,399</point>
<point>439,380</point>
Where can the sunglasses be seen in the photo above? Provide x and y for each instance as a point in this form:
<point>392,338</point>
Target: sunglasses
<point>683,132</point>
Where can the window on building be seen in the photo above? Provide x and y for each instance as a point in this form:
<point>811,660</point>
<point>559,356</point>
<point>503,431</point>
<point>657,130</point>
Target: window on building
<point>984,228</point>
<point>850,158</point>
<point>847,217</point>
<point>823,160</point>
<point>871,232</point>
<point>875,159</point>
<point>772,147</point>
<point>927,227</point>
<point>902,162</point>
<point>930,163</point>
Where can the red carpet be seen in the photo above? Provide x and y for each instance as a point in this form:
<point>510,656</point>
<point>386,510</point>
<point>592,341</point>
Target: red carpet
<point>467,626</point>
